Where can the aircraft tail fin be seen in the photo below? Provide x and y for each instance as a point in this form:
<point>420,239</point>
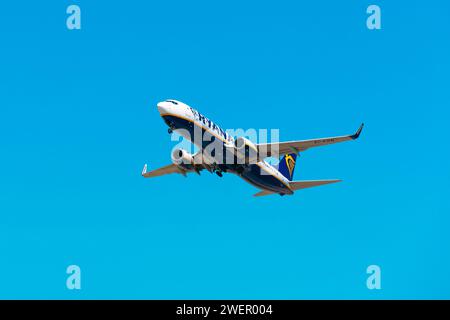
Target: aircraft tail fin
<point>287,165</point>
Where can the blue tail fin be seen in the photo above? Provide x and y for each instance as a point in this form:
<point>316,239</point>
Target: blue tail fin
<point>287,165</point>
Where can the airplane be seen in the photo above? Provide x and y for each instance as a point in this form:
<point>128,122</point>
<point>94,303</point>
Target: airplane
<point>247,158</point>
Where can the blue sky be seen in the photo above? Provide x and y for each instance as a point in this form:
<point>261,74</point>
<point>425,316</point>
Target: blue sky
<point>78,119</point>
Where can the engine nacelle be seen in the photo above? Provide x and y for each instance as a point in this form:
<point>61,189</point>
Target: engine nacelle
<point>182,158</point>
<point>246,151</point>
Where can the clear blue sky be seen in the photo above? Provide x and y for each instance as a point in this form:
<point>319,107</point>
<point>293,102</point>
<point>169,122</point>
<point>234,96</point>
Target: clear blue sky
<point>78,119</point>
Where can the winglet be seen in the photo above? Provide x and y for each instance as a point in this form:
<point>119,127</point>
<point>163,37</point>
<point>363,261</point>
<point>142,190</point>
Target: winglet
<point>356,135</point>
<point>144,170</point>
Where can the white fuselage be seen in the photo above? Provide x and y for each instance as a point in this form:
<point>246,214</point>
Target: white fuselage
<point>185,120</point>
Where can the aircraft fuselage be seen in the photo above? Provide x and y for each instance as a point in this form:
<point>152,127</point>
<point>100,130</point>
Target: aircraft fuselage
<point>203,132</point>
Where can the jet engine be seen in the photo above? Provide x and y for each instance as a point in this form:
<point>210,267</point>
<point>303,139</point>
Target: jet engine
<point>182,159</point>
<point>246,151</point>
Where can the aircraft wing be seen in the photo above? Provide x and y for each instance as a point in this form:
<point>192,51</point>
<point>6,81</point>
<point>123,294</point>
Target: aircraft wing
<point>281,148</point>
<point>171,168</point>
<point>196,167</point>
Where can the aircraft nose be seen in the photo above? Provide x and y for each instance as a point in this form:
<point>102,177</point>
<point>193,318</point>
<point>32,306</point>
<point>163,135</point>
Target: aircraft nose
<point>162,107</point>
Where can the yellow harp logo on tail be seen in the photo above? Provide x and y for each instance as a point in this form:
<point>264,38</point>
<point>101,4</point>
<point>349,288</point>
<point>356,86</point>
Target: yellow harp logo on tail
<point>290,163</point>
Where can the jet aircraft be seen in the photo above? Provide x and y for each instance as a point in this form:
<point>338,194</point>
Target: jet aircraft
<point>219,152</point>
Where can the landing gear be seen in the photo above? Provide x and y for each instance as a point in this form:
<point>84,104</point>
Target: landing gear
<point>215,168</point>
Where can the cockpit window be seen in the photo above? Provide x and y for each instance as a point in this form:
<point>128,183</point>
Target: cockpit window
<point>171,101</point>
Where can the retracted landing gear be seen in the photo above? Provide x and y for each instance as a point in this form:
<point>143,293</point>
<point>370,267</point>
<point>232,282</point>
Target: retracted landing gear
<point>217,170</point>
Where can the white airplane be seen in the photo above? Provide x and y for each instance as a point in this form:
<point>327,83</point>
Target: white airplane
<point>239,156</point>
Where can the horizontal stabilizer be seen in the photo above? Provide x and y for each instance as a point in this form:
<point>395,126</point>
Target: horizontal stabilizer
<point>263,193</point>
<point>296,185</point>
